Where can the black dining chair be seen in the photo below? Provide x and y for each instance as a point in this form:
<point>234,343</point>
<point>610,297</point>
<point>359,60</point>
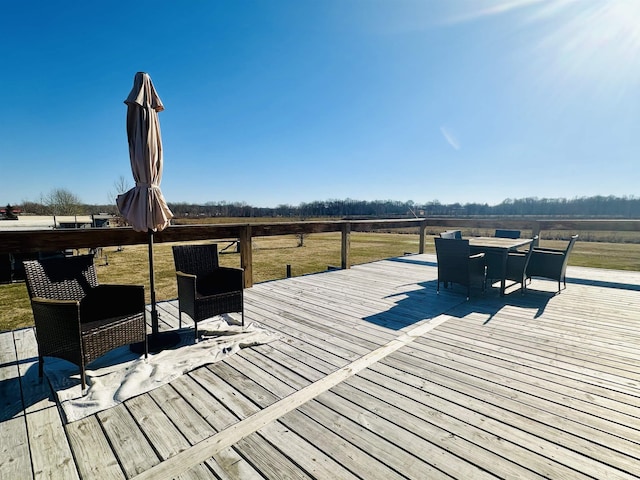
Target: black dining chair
<point>455,234</point>
<point>456,264</point>
<point>502,233</point>
<point>517,263</point>
<point>551,263</point>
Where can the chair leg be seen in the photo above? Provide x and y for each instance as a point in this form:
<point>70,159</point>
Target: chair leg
<point>40,366</point>
<point>195,327</point>
<point>179,318</point>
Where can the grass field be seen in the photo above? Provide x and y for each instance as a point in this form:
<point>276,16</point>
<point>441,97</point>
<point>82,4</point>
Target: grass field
<point>271,255</point>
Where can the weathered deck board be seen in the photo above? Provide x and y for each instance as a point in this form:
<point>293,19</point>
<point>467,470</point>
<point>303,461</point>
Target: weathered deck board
<point>129,444</point>
<point>533,386</point>
<point>15,460</point>
<point>269,460</point>
<point>373,405</point>
<point>36,392</point>
<point>10,398</point>
<point>94,456</point>
<point>386,459</point>
<point>50,452</point>
<point>477,405</point>
<point>201,405</point>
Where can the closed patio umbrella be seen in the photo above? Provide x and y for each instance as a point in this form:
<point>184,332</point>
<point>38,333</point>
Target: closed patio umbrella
<point>144,206</point>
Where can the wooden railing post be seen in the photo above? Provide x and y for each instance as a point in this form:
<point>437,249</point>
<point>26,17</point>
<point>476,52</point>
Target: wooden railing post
<point>246,255</point>
<point>346,244</point>
<point>535,230</point>
<point>423,230</point>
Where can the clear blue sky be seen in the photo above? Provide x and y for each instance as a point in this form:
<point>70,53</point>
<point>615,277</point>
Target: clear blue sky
<point>283,102</point>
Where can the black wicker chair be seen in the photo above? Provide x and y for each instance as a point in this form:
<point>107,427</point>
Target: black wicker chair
<point>502,233</point>
<point>206,289</point>
<point>456,264</point>
<point>551,263</point>
<point>78,320</point>
<point>456,234</point>
<point>517,263</point>
<point>493,260</point>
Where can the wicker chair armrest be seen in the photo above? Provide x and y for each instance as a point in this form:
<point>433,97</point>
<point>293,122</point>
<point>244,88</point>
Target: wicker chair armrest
<point>55,303</point>
<point>547,257</point>
<point>186,284</point>
<point>58,328</point>
<point>228,274</point>
<point>186,275</point>
<point>220,281</point>
<point>56,316</point>
<point>552,251</point>
<point>476,267</point>
<point>108,301</point>
<point>230,269</point>
<point>115,287</point>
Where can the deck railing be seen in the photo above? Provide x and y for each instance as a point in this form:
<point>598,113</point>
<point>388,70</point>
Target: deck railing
<point>48,240</point>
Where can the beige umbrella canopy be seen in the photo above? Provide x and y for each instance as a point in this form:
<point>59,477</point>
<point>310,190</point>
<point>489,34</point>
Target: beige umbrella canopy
<point>144,206</point>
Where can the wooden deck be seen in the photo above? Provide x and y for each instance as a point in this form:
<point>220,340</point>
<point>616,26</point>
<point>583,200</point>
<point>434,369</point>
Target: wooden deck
<point>376,376</point>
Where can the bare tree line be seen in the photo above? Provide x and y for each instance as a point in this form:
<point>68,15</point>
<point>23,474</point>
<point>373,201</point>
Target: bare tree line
<point>63,202</point>
<point>596,206</point>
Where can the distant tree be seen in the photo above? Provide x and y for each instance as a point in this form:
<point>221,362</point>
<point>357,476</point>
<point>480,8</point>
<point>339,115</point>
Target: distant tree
<point>598,206</point>
<point>62,202</point>
<point>120,186</point>
<point>34,208</point>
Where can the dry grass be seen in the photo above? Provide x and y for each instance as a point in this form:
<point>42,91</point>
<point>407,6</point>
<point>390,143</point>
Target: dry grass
<point>16,310</point>
<point>615,256</point>
<point>271,255</point>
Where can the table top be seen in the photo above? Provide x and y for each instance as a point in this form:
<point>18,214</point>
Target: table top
<point>498,242</point>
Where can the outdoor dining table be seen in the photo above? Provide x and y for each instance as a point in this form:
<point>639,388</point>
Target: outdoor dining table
<point>500,248</point>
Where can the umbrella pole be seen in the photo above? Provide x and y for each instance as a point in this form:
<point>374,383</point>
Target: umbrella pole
<point>152,286</point>
<point>157,341</point>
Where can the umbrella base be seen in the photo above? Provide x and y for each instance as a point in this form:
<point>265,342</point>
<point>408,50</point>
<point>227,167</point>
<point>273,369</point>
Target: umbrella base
<point>157,342</point>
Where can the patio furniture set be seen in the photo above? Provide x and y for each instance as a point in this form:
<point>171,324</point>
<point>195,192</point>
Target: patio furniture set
<point>471,261</point>
<point>78,320</point>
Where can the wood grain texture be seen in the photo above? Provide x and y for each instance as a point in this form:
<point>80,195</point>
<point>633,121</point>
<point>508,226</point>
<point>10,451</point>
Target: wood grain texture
<point>375,376</point>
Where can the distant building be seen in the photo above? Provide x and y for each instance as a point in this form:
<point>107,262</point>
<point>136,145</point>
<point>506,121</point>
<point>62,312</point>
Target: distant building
<point>11,269</point>
<point>52,222</point>
<point>9,213</point>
